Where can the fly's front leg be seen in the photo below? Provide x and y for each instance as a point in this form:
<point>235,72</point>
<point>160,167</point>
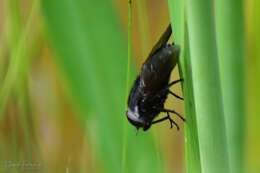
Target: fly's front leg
<point>167,89</point>
<point>171,84</point>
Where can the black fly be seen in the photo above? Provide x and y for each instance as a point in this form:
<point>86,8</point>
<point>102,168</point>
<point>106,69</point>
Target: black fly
<point>151,87</point>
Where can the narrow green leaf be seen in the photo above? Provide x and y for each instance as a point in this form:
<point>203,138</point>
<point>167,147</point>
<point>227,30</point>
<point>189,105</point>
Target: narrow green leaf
<point>18,59</point>
<point>206,85</point>
<point>129,51</point>
<point>181,38</point>
<point>230,39</point>
<point>191,130</point>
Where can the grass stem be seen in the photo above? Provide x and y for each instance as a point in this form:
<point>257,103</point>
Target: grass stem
<point>127,83</point>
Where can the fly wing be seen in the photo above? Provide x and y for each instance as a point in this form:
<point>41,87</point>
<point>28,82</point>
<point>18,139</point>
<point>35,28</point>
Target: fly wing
<point>162,41</point>
<point>157,69</point>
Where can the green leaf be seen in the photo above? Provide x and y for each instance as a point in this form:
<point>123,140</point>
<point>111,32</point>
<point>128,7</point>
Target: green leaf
<point>206,86</point>
<point>181,38</point>
<point>92,54</point>
<point>230,39</point>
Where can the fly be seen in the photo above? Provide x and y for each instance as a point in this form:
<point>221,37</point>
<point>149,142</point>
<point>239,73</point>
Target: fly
<point>151,88</point>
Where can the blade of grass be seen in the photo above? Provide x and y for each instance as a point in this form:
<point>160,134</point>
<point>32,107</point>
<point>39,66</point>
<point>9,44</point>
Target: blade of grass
<point>13,22</point>
<point>13,32</point>
<point>17,61</point>
<point>176,10</point>
<point>91,54</point>
<point>21,92</point>
<point>25,107</point>
<point>23,103</point>
<point>180,33</point>
<point>127,83</point>
<point>144,32</point>
<point>206,86</point>
<point>230,39</point>
<point>191,131</point>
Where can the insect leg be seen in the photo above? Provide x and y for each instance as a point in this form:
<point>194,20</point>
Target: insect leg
<point>167,118</point>
<point>167,89</point>
<point>174,82</point>
<point>172,111</point>
<point>172,122</point>
<point>160,120</point>
<point>171,84</point>
<point>175,95</point>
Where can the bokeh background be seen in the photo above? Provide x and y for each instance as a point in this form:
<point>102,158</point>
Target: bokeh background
<point>63,88</point>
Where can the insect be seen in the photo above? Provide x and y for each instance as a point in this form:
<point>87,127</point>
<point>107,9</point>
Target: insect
<point>151,88</point>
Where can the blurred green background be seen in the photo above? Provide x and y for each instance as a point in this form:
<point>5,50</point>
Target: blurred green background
<point>62,87</point>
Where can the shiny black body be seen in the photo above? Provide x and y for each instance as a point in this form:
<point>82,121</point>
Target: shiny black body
<point>151,87</point>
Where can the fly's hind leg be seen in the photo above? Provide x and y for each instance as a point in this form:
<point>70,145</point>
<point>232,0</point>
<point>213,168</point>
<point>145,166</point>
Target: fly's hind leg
<point>172,122</point>
<point>172,111</point>
<point>167,118</point>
